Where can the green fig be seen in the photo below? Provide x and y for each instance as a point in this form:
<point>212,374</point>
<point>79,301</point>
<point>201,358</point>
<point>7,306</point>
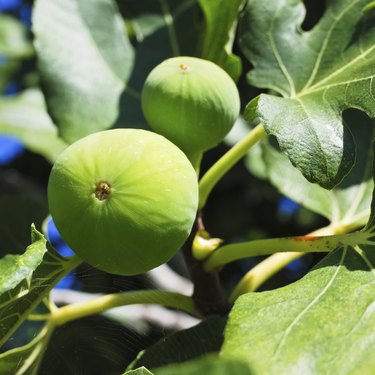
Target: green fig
<point>124,199</point>
<point>192,102</point>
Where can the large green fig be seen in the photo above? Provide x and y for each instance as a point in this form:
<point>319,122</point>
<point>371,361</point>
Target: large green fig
<point>192,102</point>
<point>124,200</point>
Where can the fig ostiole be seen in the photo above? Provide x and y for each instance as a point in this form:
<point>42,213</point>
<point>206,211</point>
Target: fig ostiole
<point>192,102</point>
<point>124,199</point>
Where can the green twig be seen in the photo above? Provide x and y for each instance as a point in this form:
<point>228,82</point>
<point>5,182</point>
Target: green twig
<point>100,304</point>
<point>273,264</point>
<point>226,162</point>
<point>300,244</point>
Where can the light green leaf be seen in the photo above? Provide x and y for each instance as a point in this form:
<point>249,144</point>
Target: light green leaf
<point>209,365</point>
<point>25,360</point>
<point>349,202</point>
<point>85,60</point>
<point>26,279</point>
<point>319,73</point>
<point>325,322</point>
<point>220,28</point>
<point>184,345</point>
<point>13,39</point>
<point>17,268</point>
<point>25,117</point>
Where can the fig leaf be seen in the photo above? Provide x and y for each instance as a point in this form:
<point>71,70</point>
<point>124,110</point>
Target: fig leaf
<point>318,74</point>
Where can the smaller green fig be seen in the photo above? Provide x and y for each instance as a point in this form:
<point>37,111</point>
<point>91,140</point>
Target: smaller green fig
<point>192,102</point>
<point>124,199</point>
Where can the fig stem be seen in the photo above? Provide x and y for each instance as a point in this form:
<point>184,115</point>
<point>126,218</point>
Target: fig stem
<point>195,159</point>
<point>100,304</point>
<point>208,294</point>
<point>264,270</point>
<point>227,161</point>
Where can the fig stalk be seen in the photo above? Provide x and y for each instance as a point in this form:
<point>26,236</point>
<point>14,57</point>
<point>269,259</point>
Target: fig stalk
<point>208,294</point>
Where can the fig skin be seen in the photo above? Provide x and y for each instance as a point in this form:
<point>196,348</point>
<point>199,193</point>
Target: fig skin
<point>124,199</point>
<point>191,101</point>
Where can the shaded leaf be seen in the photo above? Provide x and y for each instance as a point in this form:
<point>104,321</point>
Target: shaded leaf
<point>314,333</point>
<point>17,212</point>
<point>348,202</point>
<point>24,116</point>
<point>184,345</point>
<point>26,279</point>
<point>85,60</point>
<point>7,71</point>
<point>161,29</point>
<point>25,360</point>
<point>319,73</point>
<point>219,32</point>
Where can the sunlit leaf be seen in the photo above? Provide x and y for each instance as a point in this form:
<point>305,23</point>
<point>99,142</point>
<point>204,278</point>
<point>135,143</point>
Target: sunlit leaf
<point>319,74</point>
<point>322,324</point>
<point>348,202</point>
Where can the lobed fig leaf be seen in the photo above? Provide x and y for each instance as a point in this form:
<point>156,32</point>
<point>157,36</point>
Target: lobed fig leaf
<point>192,102</point>
<point>123,199</point>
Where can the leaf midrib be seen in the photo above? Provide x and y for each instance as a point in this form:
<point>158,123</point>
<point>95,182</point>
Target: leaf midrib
<point>278,58</point>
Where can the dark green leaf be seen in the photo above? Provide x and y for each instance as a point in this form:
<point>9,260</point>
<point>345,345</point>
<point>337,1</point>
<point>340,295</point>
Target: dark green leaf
<point>17,212</point>
<point>319,73</point>
<point>184,345</point>
<point>85,60</point>
<point>348,202</point>
<point>220,28</point>
<point>26,279</point>
<point>24,116</point>
<point>25,360</point>
<point>322,324</point>
<point>161,29</point>
<point>7,71</point>
<point>210,365</point>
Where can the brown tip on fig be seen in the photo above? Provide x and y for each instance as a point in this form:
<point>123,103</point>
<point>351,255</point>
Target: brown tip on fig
<point>102,191</point>
<point>184,68</point>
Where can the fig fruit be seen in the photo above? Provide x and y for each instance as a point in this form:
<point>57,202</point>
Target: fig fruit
<point>124,199</point>
<point>192,102</point>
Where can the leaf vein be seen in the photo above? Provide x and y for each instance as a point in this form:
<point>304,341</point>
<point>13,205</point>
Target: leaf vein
<point>311,304</point>
<point>325,44</point>
<point>319,85</point>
